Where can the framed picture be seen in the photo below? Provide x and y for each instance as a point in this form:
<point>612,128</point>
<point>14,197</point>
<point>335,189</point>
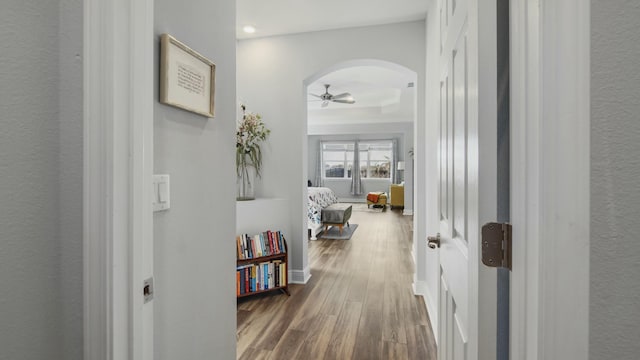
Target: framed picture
<point>187,79</point>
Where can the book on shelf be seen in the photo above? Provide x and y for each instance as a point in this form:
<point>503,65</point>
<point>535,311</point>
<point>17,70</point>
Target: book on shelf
<point>260,276</point>
<point>249,252</point>
<point>246,279</point>
<point>265,240</point>
<point>253,249</point>
<point>266,244</point>
<point>237,283</point>
<point>273,240</point>
<point>262,263</point>
<point>264,273</point>
<point>275,245</point>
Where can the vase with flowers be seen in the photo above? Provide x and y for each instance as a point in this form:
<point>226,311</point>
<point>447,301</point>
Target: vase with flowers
<point>250,133</point>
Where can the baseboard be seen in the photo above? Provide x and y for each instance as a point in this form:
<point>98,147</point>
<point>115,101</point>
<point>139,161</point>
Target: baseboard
<point>407,212</point>
<point>313,232</point>
<point>420,288</point>
<point>299,276</point>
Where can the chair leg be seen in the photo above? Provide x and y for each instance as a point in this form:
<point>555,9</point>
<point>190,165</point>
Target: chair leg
<point>340,226</point>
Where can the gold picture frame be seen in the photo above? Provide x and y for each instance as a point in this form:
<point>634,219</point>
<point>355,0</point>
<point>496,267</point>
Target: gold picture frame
<point>187,79</point>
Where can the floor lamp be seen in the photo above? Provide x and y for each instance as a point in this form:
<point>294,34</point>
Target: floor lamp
<point>401,171</point>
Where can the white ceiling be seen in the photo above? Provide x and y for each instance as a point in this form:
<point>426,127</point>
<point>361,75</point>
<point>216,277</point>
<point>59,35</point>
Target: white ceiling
<point>277,17</point>
<point>359,81</point>
<point>381,95</point>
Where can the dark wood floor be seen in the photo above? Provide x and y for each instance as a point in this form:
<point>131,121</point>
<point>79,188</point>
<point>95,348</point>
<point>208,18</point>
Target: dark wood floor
<point>358,304</point>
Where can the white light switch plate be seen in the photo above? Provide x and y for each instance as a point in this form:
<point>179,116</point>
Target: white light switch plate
<point>161,192</point>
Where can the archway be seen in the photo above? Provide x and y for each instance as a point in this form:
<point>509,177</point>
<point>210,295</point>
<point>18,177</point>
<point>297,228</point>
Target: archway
<point>413,187</point>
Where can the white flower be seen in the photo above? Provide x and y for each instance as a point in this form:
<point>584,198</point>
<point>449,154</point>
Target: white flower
<point>251,131</point>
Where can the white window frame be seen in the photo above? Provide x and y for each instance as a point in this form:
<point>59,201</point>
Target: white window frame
<point>346,160</point>
<point>390,141</point>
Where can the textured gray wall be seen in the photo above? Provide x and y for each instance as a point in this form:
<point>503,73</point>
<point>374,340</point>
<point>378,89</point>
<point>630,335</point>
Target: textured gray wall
<point>40,180</point>
<point>194,240</point>
<point>70,175</point>
<point>615,180</point>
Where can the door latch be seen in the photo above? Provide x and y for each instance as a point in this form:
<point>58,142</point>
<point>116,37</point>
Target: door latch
<point>496,245</point>
<point>433,241</point>
<point>147,290</point>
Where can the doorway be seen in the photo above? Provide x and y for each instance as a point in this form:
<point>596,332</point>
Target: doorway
<point>386,109</point>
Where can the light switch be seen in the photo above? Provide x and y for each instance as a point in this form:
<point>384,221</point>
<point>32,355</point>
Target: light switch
<point>161,192</point>
<point>163,195</point>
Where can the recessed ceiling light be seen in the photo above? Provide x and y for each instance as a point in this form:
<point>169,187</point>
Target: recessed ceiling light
<point>249,29</point>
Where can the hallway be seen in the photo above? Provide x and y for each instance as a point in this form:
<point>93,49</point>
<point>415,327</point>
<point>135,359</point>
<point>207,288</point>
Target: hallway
<point>358,304</point>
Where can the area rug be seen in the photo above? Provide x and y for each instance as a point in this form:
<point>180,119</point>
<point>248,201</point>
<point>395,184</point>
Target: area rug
<point>372,208</point>
<point>334,233</point>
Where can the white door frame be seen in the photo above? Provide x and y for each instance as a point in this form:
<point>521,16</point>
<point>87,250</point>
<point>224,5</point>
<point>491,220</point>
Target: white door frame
<point>118,166</point>
<point>550,172</point>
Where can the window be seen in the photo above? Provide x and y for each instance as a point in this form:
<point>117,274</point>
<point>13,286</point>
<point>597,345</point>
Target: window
<point>375,159</point>
<point>337,159</point>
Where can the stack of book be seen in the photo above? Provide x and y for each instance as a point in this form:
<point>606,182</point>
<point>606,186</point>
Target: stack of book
<point>266,244</point>
<point>260,277</point>
<point>262,263</point>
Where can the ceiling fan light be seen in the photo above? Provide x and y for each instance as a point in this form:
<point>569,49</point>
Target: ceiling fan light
<point>326,98</point>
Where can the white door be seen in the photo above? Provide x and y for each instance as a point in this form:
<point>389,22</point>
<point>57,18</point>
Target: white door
<point>463,124</point>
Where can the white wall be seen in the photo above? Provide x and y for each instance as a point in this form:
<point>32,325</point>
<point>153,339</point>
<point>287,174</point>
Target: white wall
<point>41,172</point>
<point>194,241</point>
<point>615,180</point>
<point>259,215</point>
<point>271,72</point>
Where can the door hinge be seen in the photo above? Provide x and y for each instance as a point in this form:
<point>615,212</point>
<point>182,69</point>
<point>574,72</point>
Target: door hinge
<point>496,245</point>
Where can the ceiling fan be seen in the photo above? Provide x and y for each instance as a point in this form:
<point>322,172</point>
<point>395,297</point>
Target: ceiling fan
<point>344,98</point>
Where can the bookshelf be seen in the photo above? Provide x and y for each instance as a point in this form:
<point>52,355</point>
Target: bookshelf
<point>262,263</point>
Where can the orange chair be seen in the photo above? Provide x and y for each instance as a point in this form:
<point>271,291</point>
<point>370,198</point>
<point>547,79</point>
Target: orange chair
<point>376,199</point>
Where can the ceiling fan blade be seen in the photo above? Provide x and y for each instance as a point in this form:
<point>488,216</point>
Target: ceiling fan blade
<point>340,96</point>
<point>314,100</point>
<point>325,103</point>
<point>318,96</point>
<point>347,101</point>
